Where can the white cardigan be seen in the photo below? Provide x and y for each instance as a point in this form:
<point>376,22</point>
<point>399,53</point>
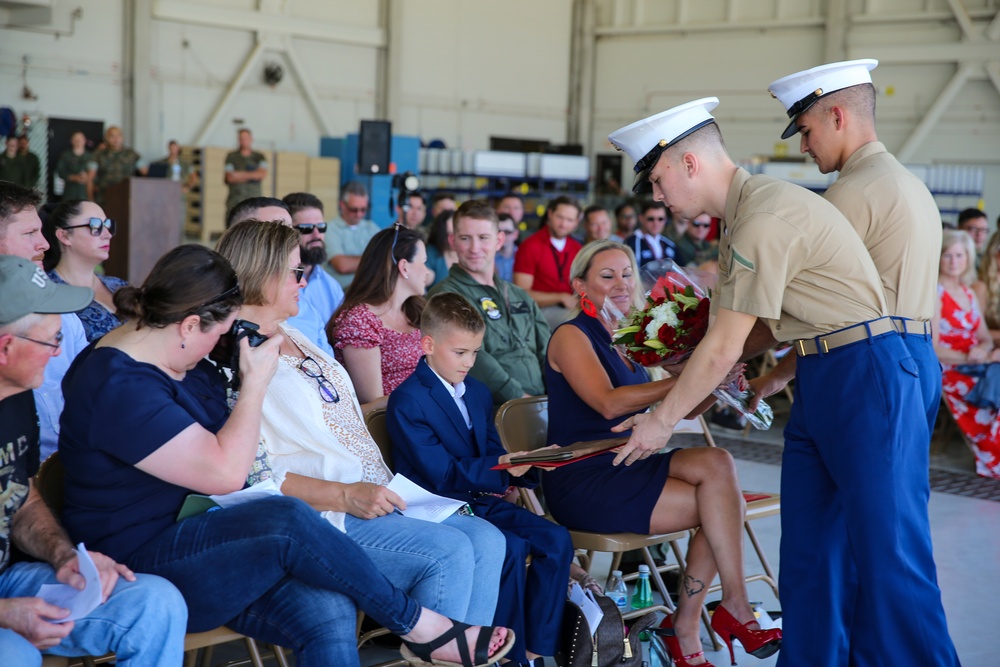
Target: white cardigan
<point>295,433</point>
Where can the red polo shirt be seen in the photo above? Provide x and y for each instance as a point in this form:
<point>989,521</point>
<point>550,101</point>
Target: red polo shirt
<point>537,256</point>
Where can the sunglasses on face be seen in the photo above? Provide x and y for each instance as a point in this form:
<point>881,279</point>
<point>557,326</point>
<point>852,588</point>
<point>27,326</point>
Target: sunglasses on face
<point>96,226</point>
<point>655,218</point>
<point>299,271</point>
<point>356,210</point>
<point>309,227</point>
<point>701,224</point>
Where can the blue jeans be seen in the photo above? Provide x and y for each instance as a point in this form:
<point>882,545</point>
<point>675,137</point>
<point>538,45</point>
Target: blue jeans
<point>277,571</point>
<point>142,622</point>
<point>451,567</point>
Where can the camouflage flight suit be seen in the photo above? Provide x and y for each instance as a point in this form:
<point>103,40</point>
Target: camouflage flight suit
<point>236,161</point>
<point>70,165</point>
<point>113,167</point>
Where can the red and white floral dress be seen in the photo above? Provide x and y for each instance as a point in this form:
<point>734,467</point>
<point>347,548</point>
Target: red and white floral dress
<point>980,425</point>
<point>360,327</point>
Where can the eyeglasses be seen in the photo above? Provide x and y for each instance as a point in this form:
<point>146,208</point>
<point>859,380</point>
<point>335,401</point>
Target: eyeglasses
<point>55,346</point>
<point>96,226</point>
<point>308,228</point>
<point>656,218</point>
<point>356,210</point>
<point>326,389</point>
<point>299,271</point>
<point>701,224</point>
<point>977,230</point>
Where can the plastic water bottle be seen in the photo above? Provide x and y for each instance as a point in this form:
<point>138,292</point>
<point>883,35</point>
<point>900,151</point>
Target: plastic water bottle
<point>643,596</point>
<point>616,590</point>
<point>175,171</point>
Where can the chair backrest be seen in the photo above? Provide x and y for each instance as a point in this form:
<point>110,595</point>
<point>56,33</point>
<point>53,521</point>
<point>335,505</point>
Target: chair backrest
<point>49,482</point>
<point>696,426</point>
<point>376,423</point>
<point>523,423</point>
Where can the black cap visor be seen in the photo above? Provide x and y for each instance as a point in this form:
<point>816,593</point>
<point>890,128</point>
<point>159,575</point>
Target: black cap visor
<point>798,109</point>
<point>641,184</point>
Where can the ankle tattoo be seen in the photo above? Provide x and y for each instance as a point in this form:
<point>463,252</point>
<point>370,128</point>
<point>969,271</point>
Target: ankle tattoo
<point>693,586</point>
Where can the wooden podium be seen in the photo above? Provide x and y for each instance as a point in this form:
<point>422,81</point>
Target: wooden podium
<point>147,212</point>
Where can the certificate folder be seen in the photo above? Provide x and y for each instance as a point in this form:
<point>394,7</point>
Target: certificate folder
<point>553,458</point>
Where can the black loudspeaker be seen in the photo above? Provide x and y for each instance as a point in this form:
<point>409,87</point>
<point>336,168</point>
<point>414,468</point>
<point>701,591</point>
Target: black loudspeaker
<point>374,147</point>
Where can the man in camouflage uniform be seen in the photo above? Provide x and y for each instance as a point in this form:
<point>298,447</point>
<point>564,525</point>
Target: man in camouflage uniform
<point>245,169</point>
<point>76,167</point>
<point>33,166</point>
<point>115,162</point>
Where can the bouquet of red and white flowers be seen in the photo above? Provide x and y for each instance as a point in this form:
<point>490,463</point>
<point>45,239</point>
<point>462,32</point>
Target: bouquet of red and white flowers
<point>672,322</point>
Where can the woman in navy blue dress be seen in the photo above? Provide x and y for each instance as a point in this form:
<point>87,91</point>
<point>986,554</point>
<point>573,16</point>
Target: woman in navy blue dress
<point>592,387</point>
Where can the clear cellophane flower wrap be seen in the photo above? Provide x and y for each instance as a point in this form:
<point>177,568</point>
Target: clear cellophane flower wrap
<point>671,323</point>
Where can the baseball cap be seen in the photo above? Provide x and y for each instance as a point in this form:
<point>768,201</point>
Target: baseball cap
<point>26,290</point>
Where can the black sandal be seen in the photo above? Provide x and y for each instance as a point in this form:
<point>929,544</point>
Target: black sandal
<point>419,655</point>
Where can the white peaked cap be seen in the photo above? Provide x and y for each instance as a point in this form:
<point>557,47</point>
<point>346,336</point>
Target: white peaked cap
<point>797,92</point>
<point>646,139</point>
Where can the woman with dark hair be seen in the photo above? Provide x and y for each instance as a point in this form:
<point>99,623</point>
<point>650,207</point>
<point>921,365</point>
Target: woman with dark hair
<point>146,424</point>
<point>440,255</point>
<point>376,331</point>
<point>79,235</point>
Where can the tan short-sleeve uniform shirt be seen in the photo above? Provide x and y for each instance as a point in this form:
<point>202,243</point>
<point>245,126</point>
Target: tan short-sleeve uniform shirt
<point>899,222</point>
<point>789,257</point>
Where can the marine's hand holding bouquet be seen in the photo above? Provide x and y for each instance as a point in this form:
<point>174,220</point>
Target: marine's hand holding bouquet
<point>672,322</point>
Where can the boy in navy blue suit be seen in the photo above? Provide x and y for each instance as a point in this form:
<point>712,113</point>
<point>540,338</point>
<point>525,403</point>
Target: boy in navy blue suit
<point>440,422</point>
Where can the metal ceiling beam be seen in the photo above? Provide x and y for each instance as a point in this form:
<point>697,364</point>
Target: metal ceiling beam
<point>251,61</point>
<point>933,115</point>
<point>918,54</point>
<point>216,16</point>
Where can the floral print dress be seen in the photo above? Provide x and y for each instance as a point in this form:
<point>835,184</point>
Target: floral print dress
<point>980,426</point>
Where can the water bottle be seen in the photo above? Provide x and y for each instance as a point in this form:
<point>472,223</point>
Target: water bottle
<point>643,596</point>
<point>175,171</point>
<point>616,591</point>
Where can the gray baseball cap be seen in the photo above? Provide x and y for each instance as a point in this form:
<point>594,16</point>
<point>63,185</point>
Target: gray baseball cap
<point>25,289</point>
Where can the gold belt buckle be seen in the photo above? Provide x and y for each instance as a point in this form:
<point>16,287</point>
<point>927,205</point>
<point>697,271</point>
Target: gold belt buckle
<point>800,347</point>
<point>822,344</point>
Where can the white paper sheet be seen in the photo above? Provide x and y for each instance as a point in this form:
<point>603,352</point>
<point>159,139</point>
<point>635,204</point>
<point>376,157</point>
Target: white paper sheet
<point>422,504</point>
<point>584,599</point>
<point>261,490</point>
<point>79,603</point>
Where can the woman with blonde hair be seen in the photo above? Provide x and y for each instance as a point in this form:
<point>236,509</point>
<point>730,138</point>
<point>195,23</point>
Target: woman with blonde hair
<point>318,448</point>
<point>987,288</point>
<point>592,388</point>
<point>966,351</point>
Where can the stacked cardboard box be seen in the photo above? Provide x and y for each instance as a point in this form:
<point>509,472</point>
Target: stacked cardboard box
<point>323,181</point>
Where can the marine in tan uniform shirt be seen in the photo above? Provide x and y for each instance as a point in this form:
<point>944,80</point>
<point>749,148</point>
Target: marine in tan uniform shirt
<point>898,220</point>
<point>804,275</point>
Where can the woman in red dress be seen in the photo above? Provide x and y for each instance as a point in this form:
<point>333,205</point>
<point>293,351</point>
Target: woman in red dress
<point>965,339</point>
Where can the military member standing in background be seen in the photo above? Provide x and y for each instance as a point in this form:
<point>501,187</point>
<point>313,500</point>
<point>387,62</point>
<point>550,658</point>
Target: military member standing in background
<point>245,169</point>
<point>115,162</point>
<point>77,167</point>
<point>33,169</point>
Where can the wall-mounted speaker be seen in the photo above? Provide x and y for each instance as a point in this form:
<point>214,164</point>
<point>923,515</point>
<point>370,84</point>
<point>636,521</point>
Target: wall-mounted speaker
<point>374,142</point>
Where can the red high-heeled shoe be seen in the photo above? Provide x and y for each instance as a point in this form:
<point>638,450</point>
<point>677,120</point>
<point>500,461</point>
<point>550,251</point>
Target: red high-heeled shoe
<point>677,659</point>
<point>758,643</point>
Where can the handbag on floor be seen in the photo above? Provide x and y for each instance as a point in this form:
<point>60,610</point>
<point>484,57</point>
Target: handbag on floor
<point>609,646</point>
